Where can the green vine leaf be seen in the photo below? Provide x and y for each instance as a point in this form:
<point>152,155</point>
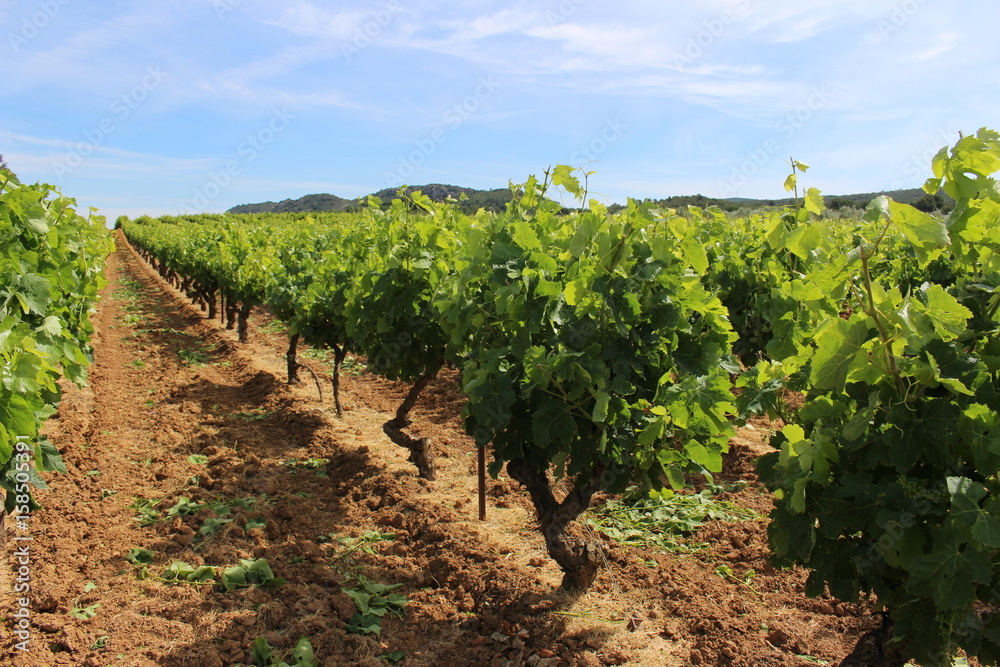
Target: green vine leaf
<point>838,351</point>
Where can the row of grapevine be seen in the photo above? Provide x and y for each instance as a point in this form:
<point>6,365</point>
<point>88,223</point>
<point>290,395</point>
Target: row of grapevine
<point>51,270</point>
<point>585,339</point>
<point>600,347</point>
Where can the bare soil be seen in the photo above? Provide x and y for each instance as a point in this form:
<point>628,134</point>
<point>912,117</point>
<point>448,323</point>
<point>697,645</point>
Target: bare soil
<point>167,383</point>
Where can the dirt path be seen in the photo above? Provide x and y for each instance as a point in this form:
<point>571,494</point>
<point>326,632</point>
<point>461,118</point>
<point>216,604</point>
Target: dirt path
<point>176,410</point>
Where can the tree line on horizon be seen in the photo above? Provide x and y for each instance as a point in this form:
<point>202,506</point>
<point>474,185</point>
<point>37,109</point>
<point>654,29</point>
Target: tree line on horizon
<point>470,200</point>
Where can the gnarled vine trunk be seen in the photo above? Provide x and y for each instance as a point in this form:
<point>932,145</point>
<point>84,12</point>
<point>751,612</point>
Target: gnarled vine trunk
<point>421,452</point>
<point>241,317</point>
<point>232,308</point>
<point>339,352</point>
<point>209,296</point>
<point>291,356</point>
<point>578,558</point>
<point>871,649</point>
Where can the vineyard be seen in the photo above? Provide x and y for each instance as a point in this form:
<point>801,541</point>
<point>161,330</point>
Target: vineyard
<point>546,436</point>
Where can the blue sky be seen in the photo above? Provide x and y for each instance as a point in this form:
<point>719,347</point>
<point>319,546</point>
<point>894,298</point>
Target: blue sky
<point>198,105</point>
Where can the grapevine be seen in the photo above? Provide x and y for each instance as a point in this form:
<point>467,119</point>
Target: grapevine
<point>886,479</point>
<point>51,263</point>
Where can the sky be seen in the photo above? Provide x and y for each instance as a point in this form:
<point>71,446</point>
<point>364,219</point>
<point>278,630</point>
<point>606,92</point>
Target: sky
<point>143,107</point>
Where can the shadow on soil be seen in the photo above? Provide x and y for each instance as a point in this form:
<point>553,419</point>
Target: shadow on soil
<point>326,519</point>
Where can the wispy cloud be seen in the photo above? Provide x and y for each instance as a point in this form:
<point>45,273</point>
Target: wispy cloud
<point>87,55</point>
<point>310,20</point>
<point>96,160</point>
<point>782,22</point>
<point>944,43</point>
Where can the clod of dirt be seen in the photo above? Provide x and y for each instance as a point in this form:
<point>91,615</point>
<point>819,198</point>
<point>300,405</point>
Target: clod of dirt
<point>778,638</point>
<point>615,658</point>
<point>265,487</point>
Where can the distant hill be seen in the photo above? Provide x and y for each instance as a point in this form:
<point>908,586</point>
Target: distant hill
<point>492,200</point>
<point>911,196</point>
<point>495,200</point>
<point>323,202</point>
<point>915,197</point>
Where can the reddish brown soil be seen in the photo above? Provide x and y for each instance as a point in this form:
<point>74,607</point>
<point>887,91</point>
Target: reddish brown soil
<point>478,593</point>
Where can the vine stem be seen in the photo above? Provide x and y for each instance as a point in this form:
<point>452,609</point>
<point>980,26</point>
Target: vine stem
<point>993,307</point>
<point>576,406</point>
<point>873,311</point>
<point>795,185</point>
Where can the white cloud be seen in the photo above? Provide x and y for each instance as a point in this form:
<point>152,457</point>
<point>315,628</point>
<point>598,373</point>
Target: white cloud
<point>82,55</point>
<point>473,29</point>
<point>609,46</point>
<point>69,145</point>
<point>307,19</point>
<point>782,22</point>
<point>246,82</point>
<point>945,42</point>
<point>61,159</point>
